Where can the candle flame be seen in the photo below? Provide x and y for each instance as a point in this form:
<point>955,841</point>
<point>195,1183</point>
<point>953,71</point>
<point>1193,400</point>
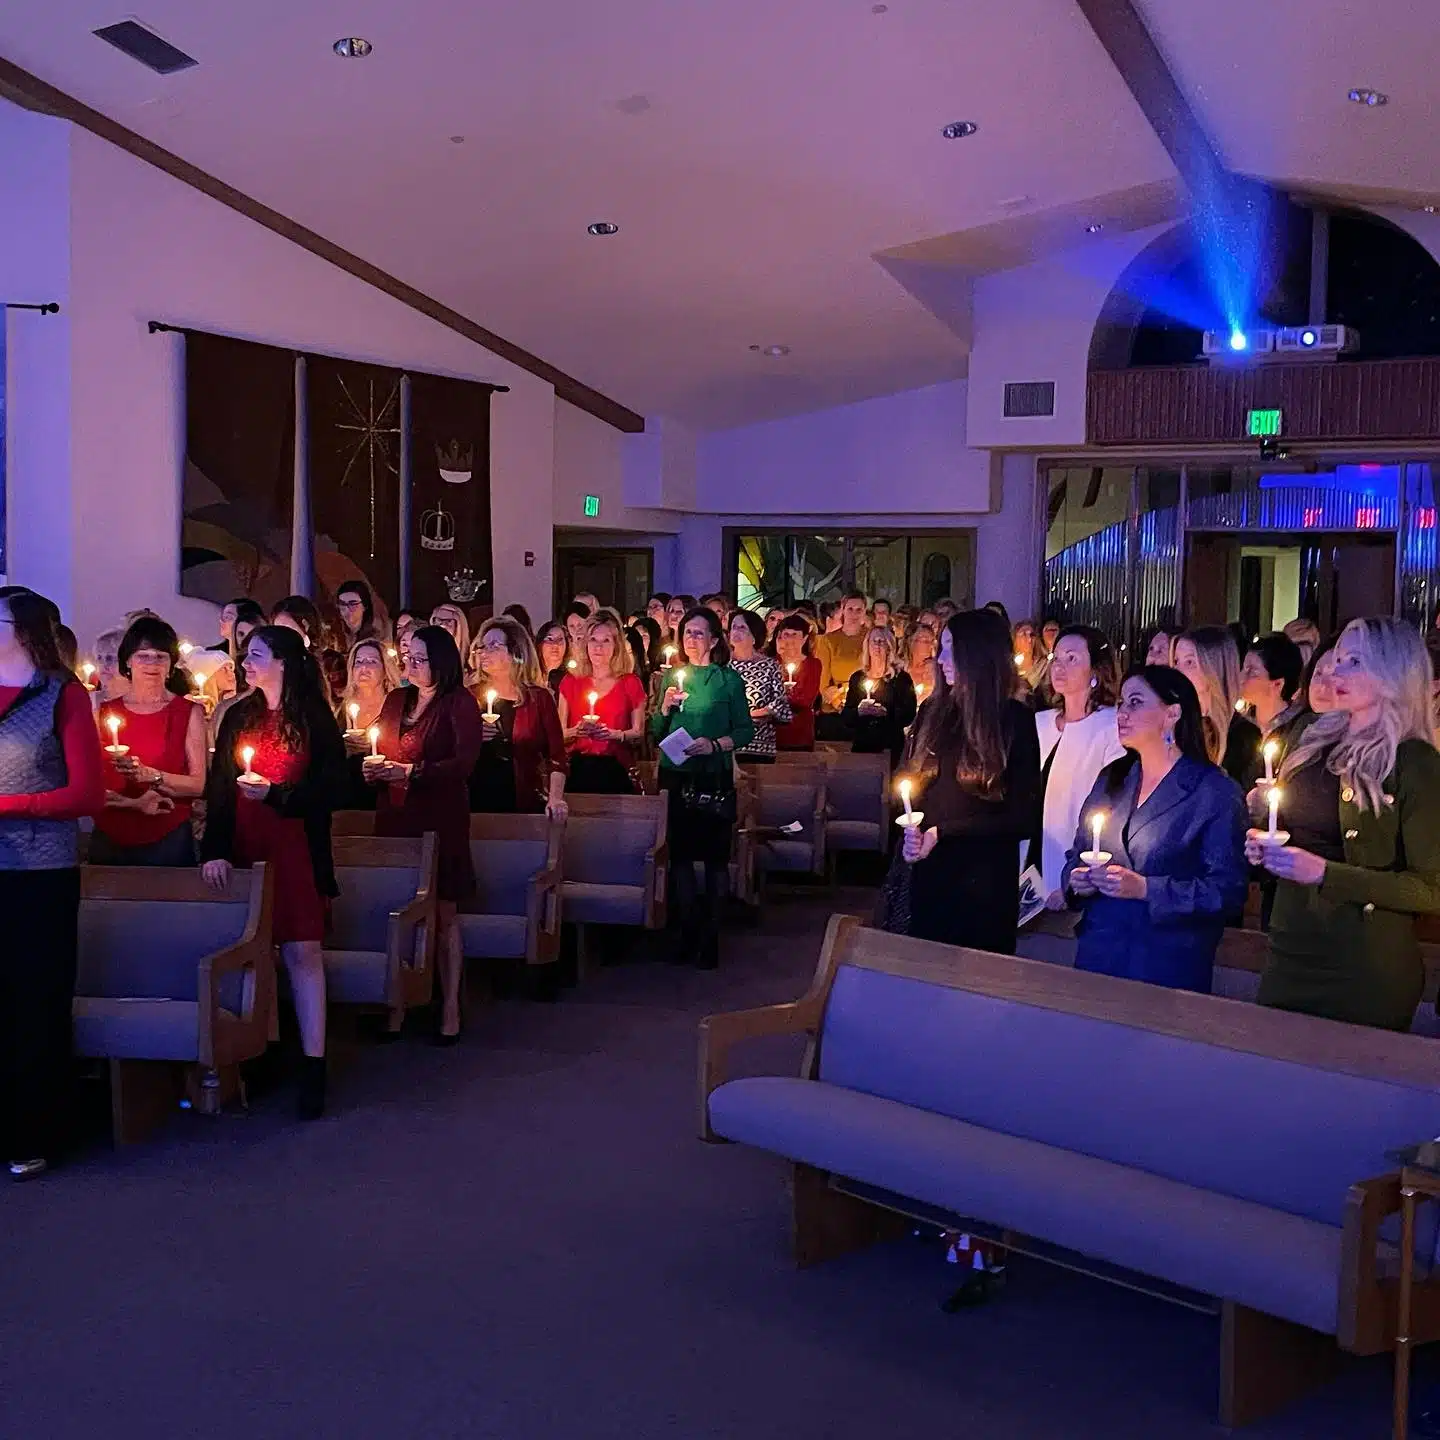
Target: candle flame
<point>373,734</point>
<point>87,669</point>
<point>490,700</point>
<point>594,696</point>
<point>1272,749</point>
<point>247,755</point>
<point>354,713</point>
<point>113,721</point>
<point>186,647</point>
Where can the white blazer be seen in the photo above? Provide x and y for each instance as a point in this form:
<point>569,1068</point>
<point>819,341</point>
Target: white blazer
<point>1081,751</point>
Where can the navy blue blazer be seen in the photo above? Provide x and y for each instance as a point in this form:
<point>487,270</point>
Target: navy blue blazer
<point>1188,841</point>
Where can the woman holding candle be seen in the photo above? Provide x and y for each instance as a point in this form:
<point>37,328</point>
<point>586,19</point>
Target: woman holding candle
<point>276,808</point>
<point>428,742</point>
<point>880,699</point>
<point>974,762</point>
<point>151,788</point>
<point>802,671</point>
<point>50,775</point>
<point>1361,803</point>
<point>602,710</point>
<point>371,676</point>
<point>522,764</point>
<point>1078,739</point>
<point>1156,865</point>
<point>552,642</point>
<point>764,681</point>
<point>1270,677</point>
<point>706,699</point>
<point>920,660</point>
<point>1208,659</point>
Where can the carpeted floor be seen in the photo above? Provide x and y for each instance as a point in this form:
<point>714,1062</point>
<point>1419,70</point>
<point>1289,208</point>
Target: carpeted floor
<point>523,1238</point>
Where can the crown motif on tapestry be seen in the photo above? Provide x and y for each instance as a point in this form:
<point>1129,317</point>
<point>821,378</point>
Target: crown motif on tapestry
<point>456,462</point>
<point>462,586</point>
<point>437,530</point>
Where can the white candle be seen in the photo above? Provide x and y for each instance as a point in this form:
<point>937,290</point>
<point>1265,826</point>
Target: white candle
<point>1239,707</point>
<point>1271,751</point>
<point>680,686</point>
<point>186,647</point>
<point>354,710</point>
<point>1274,811</point>
<point>869,689</point>
<point>905,797</point>
<point>490,714</point>
<point>593,697</point>
<point>1019,662</point>
<point>919,693</point>
<point>571,664</point>
<point>375,742</point>
<point>115,747</point>
<point>200,684</point>
<point>87,670</point>
<point>248,756</point>
<point>790,673</point>
<point>1097,824</point>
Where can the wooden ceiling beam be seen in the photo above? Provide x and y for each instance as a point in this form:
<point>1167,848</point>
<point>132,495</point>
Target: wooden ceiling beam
<point>32,93</point>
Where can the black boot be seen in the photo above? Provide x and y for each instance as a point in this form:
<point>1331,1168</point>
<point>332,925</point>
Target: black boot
<point>707,934</point>
<point>311,1102</point>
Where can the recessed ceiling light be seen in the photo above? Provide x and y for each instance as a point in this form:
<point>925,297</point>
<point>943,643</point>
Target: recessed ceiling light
<point>603,227</point>
<point>878,9</point>
<point>1094,228</point>
<point>1362,95</point>
<point>959,129</point>
<point>457,139</point>
<point>772,352</point>
<point>633,105</point>
<point>352,47</point>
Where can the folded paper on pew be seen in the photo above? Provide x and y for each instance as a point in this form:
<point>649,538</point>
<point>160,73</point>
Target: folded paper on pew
<point>673,745</point>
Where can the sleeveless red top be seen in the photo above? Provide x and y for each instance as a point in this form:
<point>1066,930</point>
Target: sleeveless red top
<point>157,741</point>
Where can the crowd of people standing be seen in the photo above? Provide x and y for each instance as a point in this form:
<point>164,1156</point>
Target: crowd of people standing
<point>1145,802</point>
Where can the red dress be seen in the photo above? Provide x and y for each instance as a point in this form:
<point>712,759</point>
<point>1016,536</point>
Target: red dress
<point>263,833</point>
<point>158,741</point>
<point>799,732</point>
<point>615,709</point>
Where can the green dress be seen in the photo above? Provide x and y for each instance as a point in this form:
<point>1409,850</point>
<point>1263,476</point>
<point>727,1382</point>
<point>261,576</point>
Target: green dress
<point>714,706</point>
<point>1346,949</point>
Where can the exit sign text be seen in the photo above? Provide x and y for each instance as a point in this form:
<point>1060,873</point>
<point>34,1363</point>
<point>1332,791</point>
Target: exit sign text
<point>592,506</point>
<point>1260,423</point>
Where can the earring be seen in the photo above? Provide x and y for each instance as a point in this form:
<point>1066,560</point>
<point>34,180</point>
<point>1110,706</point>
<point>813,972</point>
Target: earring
<point>1093,682</point>
<point>1169,739</point>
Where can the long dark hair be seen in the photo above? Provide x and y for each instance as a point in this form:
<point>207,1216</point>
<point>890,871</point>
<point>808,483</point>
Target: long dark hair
<point>720,655</point>
<point>520,613</point>
<point>150,632</point>
<point>1171,687</point>
<point>1103,665</point>
<point>35,618</point>
<point>301,691</point>
<point>304,613</point>
<point>367,601</point>
<point>443,655</point>
<point>966,720</point>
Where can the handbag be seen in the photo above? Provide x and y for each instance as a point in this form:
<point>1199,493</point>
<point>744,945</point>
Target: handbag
<point>714,798</point>
<point>892,908</point>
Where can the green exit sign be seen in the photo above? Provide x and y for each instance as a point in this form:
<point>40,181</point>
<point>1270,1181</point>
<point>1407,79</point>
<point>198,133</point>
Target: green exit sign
<point>1260,423</point>
<point>592,503</point>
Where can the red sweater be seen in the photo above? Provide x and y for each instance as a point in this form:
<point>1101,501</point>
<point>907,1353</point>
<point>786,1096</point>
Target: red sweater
<point>84,791</point>
<point>799,732</point>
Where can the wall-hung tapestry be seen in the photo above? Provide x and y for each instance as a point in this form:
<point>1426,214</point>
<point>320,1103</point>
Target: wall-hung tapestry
<point>393,485</point>
<point>450,556</point>
<point>236,511</point>
<point>355,475</point>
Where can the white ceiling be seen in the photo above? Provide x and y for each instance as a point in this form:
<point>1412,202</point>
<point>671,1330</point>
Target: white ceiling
<point>784,145</point>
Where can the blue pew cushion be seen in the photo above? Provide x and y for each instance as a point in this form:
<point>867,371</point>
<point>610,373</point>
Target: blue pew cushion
<point>137,1029</point>
<point>151,948</point>
<point>369,894</point>
<point>587,904</point>
<point>493,937</point>
<point>503,872</point>
<point>1281,1264</point>
<point>606,850</point>
<point>356,977</point>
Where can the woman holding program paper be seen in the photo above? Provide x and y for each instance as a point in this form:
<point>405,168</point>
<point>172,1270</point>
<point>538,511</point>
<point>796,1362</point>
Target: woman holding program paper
<point>1360,798</point>
<point>705,698</point>
<point>1156,863</point>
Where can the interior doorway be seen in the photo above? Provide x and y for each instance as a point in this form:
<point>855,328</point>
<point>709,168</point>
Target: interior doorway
<point>618,576</point>
<point>1262,581</point>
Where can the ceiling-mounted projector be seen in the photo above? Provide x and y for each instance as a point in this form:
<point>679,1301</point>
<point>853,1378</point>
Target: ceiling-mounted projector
<point>1237,344</point>
<point>1296,341</point>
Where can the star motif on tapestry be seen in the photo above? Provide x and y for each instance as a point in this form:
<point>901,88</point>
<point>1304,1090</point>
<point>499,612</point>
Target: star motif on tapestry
<point>372,428</point>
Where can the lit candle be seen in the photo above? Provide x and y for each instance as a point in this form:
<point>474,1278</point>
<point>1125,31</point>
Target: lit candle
<point>1274,811</point>
<point>1239,707</point>
<point>200,686</point>
<point>392,652</point>
<point>680,686</point>
<point>668,654</point>
<point>115,747</point>
<point>1019,662</point>
<point>594,696</point>
<point>905,798</point>
<point>790,673</point>
<point>1271,751</point>
<point>1097,824</point>
<point>919,693</point>
<point>490,714</point>
<point>354,711</point>
<point>571,664</point>
<point>375,742</point>
<point>186,647</point>
<point>869,689</point>
<point>87,670</point>
<point>247,755</point>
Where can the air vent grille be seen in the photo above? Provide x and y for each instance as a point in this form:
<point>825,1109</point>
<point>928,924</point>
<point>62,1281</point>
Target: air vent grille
<point>1028,398</point>
<point>146,47</point>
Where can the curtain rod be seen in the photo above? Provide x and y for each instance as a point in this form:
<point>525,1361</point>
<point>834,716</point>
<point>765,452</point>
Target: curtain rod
<point>159,327</point>
<point>50,307</point>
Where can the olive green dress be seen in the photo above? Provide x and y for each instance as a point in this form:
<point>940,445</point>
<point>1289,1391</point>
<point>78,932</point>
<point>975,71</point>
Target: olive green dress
<point>1346,949</point>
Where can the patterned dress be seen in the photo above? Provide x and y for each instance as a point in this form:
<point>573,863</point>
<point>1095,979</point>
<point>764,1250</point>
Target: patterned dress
<point>764,690</point>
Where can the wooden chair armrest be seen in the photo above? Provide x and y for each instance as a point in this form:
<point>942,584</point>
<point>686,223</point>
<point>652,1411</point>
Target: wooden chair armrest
<point>1365,1324</point>
<point>719,1034</point>
<point>243,955</point>
<point>542,917</point>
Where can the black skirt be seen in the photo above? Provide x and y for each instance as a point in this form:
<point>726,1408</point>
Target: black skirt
<point>967,892</point>
<point>696,834</point>
<point>598,775</point>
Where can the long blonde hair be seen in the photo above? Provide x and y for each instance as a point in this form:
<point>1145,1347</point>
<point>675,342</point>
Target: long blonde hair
<point>390,672</point>
<point>1220,665</point>
<point>880,638</point>
<point>462,634</point>
<point>1395,655</point>
<point>624,661</point>
<point>524,659</point>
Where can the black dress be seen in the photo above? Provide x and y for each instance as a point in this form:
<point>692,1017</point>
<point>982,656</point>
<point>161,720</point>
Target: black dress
<point>1243,761</point>
<point>878,734</point>
<point>967,890</point>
